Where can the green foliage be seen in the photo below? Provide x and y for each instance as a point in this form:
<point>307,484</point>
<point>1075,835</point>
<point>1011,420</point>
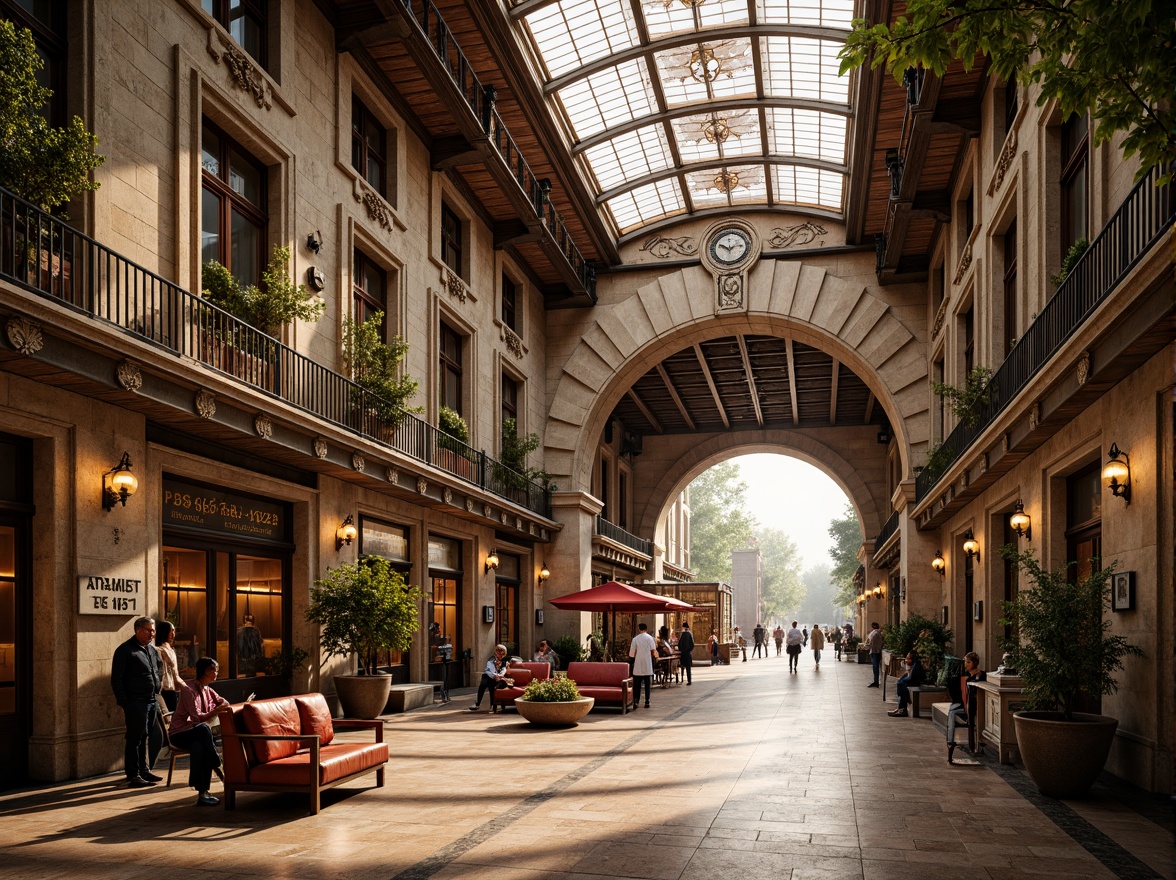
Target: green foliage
<point>363,608</point>
<point>966,404</point>
<point>720,521</point>
<point>1062,650</point>
<point>511,469</point>
<point>38,162</point>
<point>569,650</point>
<point>553,690</point>
<point>928,637</point>
<point>782,589</point>
<point>270,307</point>
<point>939,458</point>
<point>453,428</point>
<point>375,367</point>
<point>846,533</point>
<point>284,664</point>
<point>820,597</point>
<point>1073,255</point>
<point>1111,57</point>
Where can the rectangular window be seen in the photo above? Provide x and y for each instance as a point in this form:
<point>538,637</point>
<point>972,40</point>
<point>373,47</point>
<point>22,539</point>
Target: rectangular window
<point>509,303</point>
<point>232,206</point>
<point>937,375</point>
<point>969,342</point>
<point>970,213</point>
<point>622,499</point>
<point>1010,287</point>
<point>444,596</point>
<point>510,400</point>
<point>368,146</point>
<point>47,21</point>
<point>245,20</point>
<point>605,482</point>
<point>1074,184</point>
<point>451,368</point>
<point>1084,540</point>
<point>1010,104</point>
<point>369,286</point>
<point>451,240</point>
<point>388,542</point>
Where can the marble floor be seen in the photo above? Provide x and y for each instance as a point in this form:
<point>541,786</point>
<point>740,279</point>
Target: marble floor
<point>751,772</point>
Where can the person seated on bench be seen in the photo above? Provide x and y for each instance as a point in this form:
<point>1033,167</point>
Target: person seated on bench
<point>544,654</point>
<point>915,676</point>
<point>492,676</point>
<point>963,698</point>
<point>189,730</point>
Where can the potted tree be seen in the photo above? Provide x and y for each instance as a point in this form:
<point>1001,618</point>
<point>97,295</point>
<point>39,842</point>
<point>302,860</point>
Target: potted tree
<point>364,608</point>
<point>1063,652</point>
<point>375,367</point>
<point>555,702</point>
<point>453,449</point>
<point>928,637</point>
<point>511,471</point>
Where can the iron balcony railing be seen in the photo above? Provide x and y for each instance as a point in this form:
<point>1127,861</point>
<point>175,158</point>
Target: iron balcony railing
<point>480,100</point>
<point>616,533</point>
<point>888,529</point>
<point>1136,226</point>
<point>44,255</point>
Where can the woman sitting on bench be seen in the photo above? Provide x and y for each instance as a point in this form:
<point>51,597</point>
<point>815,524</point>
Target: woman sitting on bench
<point>963,699</point>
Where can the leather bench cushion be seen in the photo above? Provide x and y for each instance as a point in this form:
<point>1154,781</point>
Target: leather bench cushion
<point>601,693</point>
<point>598,673</point>
<point>522,677</point>
<point>507,695</point>
<point>540,671</point>
<point>335,762</point>
<point>272,718</point>
<point>314,716</point>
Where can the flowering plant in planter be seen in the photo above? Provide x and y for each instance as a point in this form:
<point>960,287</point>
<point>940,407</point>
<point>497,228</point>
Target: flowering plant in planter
<point>552,690</point>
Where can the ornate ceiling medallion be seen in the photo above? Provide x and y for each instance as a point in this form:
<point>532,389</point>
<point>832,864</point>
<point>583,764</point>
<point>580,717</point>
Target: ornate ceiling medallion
<point>716,130</point>
<point>725,181</point>
<point>704,66</point>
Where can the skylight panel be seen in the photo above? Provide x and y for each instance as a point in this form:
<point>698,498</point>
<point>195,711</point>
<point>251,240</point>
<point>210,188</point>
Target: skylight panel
<point>629,156</point>
<point>570,34</point>
<point>825,13</point>
<point>798,67</point>
<point>646,204</point>
<point>733,184</point>
<point>700,72</point>
<point>799,185</point>
<point>607,98</point>
<point>665,18</point>
<point>806,133</point>
<point>721,134</point>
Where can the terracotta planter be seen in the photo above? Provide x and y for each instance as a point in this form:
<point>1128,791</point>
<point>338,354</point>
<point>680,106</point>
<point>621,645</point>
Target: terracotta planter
<point>564,714</point>
<point>1064,757</point>
<point>363,696</point>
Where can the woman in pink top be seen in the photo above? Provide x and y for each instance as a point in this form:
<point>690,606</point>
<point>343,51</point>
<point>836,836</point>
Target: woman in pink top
<point>190,731</point>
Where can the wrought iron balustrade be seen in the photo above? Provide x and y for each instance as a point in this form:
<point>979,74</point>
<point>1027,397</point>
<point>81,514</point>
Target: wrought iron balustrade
<point>1145,215</point>
<point>44,255</point>
<point>616,533</point>
<point>888,528</point>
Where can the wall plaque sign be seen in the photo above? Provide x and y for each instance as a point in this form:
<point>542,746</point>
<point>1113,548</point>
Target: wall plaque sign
<point>214,510</point>
<point>99,594</point>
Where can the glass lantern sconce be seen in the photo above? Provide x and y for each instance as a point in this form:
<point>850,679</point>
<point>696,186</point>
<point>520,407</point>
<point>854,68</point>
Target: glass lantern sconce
<point>544,574</point>
<point>492,561</point>
<point>346,533</point>
<point>971,545</point>
<point>878,591</point>
<point>1020,522</point>
<point>1116,473</point>
<point>118,484</point>
<point>939,563</point>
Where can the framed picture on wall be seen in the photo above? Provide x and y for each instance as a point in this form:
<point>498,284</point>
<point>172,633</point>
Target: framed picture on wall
<point>1123,591</point>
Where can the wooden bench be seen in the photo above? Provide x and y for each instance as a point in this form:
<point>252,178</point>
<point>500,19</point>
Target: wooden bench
<point>922,696</point>
<point>288,744</point>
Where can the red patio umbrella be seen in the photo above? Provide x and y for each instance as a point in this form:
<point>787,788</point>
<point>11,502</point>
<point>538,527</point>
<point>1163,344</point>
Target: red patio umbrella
<point>615,598</point>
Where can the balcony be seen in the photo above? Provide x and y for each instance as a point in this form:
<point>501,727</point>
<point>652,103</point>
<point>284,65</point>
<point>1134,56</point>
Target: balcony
<point>615,545</point>
<point>45,256</point>
<point>1140,222</point>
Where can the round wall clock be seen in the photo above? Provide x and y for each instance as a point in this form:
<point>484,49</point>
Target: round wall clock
<point>729,246</point>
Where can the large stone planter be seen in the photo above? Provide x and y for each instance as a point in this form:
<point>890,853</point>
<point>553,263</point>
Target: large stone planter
<point>363,696</point>
<point>1064,757</point>
<point>563,714</point>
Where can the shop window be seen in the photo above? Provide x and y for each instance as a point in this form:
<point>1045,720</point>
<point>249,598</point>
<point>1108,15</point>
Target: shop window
<point>246,21</point>
<point>232,206</point>
<point>452,240</point>
<point>506,617</point>
<point>445,607</point>
<point>510,296</point>
<point>389,542</point>
<point>369,155</point>
<point>369,289</point>
<point>1074,184</point>
<point>452,345</point>
<point>1084,541</point>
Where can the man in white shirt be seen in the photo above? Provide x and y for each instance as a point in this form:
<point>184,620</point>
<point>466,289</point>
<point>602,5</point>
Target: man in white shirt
<point>642,649</point>
<point>794,639</point>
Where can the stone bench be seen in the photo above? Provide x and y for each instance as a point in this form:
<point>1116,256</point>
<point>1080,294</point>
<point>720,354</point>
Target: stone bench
<point>922,696</point>
<point>406,697</point>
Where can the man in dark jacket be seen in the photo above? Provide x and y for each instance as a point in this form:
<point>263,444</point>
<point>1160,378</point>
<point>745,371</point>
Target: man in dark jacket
<point>686,650</point>
<point>760,635</point>
<point>135,678</point>
<point>915,676</point>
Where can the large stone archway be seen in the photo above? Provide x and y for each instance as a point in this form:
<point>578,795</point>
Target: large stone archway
<point>614,344</point>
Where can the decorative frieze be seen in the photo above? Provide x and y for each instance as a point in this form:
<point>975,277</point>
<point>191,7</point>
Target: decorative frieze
<point>263,425</point>
<point>514,344</point>
<point>487,511</point>
<point>376,210</point>
<point>965,263</point>
<point>939,316</point>
<point>205,403</point>
<point>469,505</point>
<point>24,335</point>
<point>1083,368</point>
<point>662,246</point>
<point>730,289</point>
<point>129,376</point>
<point>1004,161</point>
<point>453,283</point>
<point>795,236</point>
<point>1034,416</point>
<point>447,495</point>
<point>320,447</point>
<point>243,73</point>
<point>422,485</point>
<point>357,462</point>
<point>393,475</point>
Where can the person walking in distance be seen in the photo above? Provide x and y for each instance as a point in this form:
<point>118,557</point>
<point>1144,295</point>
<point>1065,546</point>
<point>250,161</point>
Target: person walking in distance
<point>713,643</point>
<point>778,638</point>
<point>760,635</point>
<point>685,652</point>
<point>817,640</point>
<point>136,677</point>
<point>794,639</point>
<point>643,650</point>
<point>874,643</point>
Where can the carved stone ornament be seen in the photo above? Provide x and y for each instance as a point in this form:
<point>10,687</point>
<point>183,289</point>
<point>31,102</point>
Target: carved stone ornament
<point>242,72</point>
<point>534,530</point>
<point>357,462</point>
<point>377,211</point>
<point>1004,443</point>
<point>454,284</point>
<point>205,403</point>
<point>730,291</point>
<point>263,425</point>
<point>1034,416</point>
<point>1005,160</point>
<point>320,447</point>
<point>422,485</point>
<point>447,495</point>
<point>487,511</point>
<point>129,376</point>
<point>984,462</point>
<point>939,316</point>
<point>504,518</point>
<point>519,523</point>
<point>469,505</point>
<point>1083,368</point>
<point>24,335</point>
<point>393,475</point>
<point>666,246</point>
<point>794,236</point>
<point>965,262</point>
<point>513,343</point>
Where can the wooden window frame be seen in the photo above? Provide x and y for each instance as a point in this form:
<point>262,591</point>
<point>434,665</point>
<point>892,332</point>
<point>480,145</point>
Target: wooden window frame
<point>452,240</point>
<point>364,123</point>
<point>365,299</point>
<point>1010,287</point>
<point>257,10</point>
<point>1075,163</point>
<point>229,198</point>
<point>449,366</point>
<point>510,297</point>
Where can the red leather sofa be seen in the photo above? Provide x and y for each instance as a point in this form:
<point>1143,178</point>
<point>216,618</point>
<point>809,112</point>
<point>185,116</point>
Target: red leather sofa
<point>522,674</point>
<point>605,682</point>
<point>288,744</point>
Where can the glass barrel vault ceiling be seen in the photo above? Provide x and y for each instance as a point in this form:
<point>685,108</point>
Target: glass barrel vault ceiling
<point>679,106</point>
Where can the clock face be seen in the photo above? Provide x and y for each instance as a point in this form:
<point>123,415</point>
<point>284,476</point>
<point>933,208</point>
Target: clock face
<point>729,246</point>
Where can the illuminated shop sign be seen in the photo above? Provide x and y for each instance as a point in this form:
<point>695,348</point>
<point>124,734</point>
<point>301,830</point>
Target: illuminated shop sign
<point>188,506</point>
